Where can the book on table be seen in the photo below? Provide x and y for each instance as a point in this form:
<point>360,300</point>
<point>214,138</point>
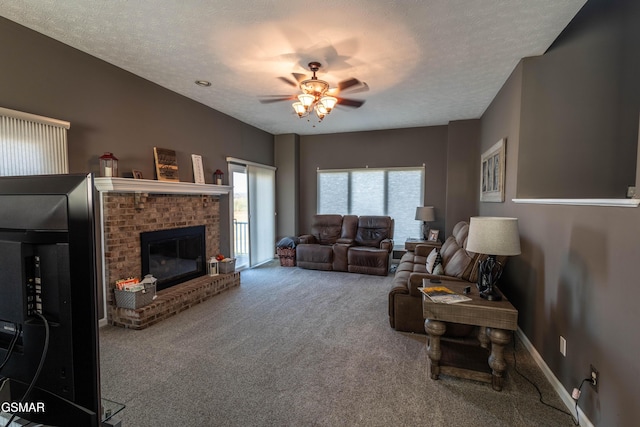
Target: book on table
<point>442,294</point>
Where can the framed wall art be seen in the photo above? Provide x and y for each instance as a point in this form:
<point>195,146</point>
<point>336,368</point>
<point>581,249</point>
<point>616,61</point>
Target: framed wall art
<point>198,171</point>
<point>166,164</point>
<point>492,168</point>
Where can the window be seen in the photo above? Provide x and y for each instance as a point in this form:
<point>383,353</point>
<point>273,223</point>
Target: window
<point>387,191</point>
<point>32,145</point>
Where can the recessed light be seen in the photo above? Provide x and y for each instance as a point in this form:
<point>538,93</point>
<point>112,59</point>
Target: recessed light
<point>203,83</point>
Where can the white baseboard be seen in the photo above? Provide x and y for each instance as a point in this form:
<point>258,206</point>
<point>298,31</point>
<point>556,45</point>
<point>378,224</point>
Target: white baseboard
<point>555,383</point>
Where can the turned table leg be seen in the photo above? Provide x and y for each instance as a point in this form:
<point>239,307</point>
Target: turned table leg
<point>434,329</point>
<point>499,339</point>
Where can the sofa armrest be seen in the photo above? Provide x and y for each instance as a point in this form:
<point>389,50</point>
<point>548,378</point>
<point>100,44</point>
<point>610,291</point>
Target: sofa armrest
<point>423,250</point>
<point>415,281</point>
<point>387,244</point>
<point>306,239</point>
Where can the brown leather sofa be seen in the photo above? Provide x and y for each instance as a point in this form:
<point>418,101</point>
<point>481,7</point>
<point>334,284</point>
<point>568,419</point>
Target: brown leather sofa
<point>347,243</point>
<point>405,300</point>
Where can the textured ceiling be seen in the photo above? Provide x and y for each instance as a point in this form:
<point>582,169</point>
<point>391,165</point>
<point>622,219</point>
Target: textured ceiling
<point>427,62</point>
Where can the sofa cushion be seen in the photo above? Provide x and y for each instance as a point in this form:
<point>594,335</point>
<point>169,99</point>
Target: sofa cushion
<point>459,265</point>
<point>314,256</point>
<point>349,228</point>
<point>327,229</point>
<point>372,230</point>
<point>368,260</point>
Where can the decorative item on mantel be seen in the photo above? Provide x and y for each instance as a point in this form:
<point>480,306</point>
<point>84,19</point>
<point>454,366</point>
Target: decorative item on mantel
<point>108,165</point>
<point>217,175</point>
<point>166,164</point>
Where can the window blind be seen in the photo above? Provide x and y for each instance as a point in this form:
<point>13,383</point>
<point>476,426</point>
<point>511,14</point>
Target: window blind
<point>32,145</point>
<point>395,192</point>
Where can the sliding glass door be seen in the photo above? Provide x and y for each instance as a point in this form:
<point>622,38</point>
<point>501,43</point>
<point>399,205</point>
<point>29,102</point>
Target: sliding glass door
<point>253,212</point>
<point>262,210</point>
<point>240,216</point>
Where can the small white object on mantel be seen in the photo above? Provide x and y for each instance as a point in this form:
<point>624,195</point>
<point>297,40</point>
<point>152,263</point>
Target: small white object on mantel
<point>128,185</point>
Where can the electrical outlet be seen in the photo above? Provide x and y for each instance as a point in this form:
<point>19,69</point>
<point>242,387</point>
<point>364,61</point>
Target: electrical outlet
<point>631,192</point>
<point>563,346</point>
<point>595,378</point>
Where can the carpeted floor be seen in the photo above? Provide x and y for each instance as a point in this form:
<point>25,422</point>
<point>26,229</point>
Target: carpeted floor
<point>293,347</point>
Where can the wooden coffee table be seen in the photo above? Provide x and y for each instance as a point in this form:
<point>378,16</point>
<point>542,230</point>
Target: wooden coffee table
<point>495,318</point>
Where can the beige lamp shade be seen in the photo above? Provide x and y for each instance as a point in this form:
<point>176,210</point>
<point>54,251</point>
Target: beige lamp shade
<point>425,213</point>
<point>493,236</point>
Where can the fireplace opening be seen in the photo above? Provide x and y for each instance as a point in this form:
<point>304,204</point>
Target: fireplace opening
<point>174,256</point>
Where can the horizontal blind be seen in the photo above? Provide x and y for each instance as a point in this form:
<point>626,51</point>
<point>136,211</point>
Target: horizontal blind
<point>395,192</point>
<point>32,145</point>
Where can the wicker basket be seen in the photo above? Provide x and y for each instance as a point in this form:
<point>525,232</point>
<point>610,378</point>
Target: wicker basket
<point>287,256</point>
<point>133,300</point>
<point>228,265</point>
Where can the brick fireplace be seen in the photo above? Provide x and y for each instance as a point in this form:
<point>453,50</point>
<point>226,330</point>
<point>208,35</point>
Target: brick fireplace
<point>127,212</point>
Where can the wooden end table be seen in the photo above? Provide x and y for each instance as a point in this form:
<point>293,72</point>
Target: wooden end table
<point>495,318</point>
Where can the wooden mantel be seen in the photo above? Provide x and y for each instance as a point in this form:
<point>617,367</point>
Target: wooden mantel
<point>129,185</point>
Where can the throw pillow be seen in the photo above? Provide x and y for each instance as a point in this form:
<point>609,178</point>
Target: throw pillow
<point>431,260</point>
<point>438,270</point>
<point>438,262</point>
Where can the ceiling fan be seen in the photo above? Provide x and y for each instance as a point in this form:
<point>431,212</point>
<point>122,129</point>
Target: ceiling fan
<point>316,94</point>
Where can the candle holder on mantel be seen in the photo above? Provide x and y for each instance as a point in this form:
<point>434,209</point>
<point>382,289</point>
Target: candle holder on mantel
<point>108,165</point>
<point>217,177</point>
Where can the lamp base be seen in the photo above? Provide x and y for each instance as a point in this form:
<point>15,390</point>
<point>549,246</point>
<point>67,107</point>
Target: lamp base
<point>491,294</point>
<point>425,231</point>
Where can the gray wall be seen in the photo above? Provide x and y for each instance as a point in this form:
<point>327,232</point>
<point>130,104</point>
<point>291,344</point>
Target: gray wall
<point>463,171</point>
<point>394,148</point>
<point>287,161</point>
<point>576,276</point>
<point>580,107</point>
<point>113,110</point>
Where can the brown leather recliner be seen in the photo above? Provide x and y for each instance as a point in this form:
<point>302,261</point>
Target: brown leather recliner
<point>347,243</point>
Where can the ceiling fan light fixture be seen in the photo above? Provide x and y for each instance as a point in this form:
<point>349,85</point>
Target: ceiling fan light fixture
<point>314,87</point>
<point>299,109</point>
<point>306,100</point>
<point>328,102</point>
<point>317,97</point>
<point>321,111</point>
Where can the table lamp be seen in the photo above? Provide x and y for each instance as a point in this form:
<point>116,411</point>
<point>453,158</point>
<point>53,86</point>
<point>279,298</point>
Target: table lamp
<point>425,214</point>
<point>492,236</point>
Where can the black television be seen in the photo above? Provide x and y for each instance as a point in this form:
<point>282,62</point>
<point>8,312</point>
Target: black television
<point>48,300</point>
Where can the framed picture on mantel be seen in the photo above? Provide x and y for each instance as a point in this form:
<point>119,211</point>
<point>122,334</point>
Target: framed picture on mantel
<point>492,167</point>
<point>166,164</point>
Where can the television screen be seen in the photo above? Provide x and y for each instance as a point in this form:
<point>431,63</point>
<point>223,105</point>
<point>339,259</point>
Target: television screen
<point>48,300</point>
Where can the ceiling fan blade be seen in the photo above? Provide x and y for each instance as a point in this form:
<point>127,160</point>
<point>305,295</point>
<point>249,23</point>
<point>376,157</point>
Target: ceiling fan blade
<point>277,98</point>
<point>288,81</point>
<point>299,77</point>
<point>363,88</point>
<point>346,84</point>
<point>355,103</point>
